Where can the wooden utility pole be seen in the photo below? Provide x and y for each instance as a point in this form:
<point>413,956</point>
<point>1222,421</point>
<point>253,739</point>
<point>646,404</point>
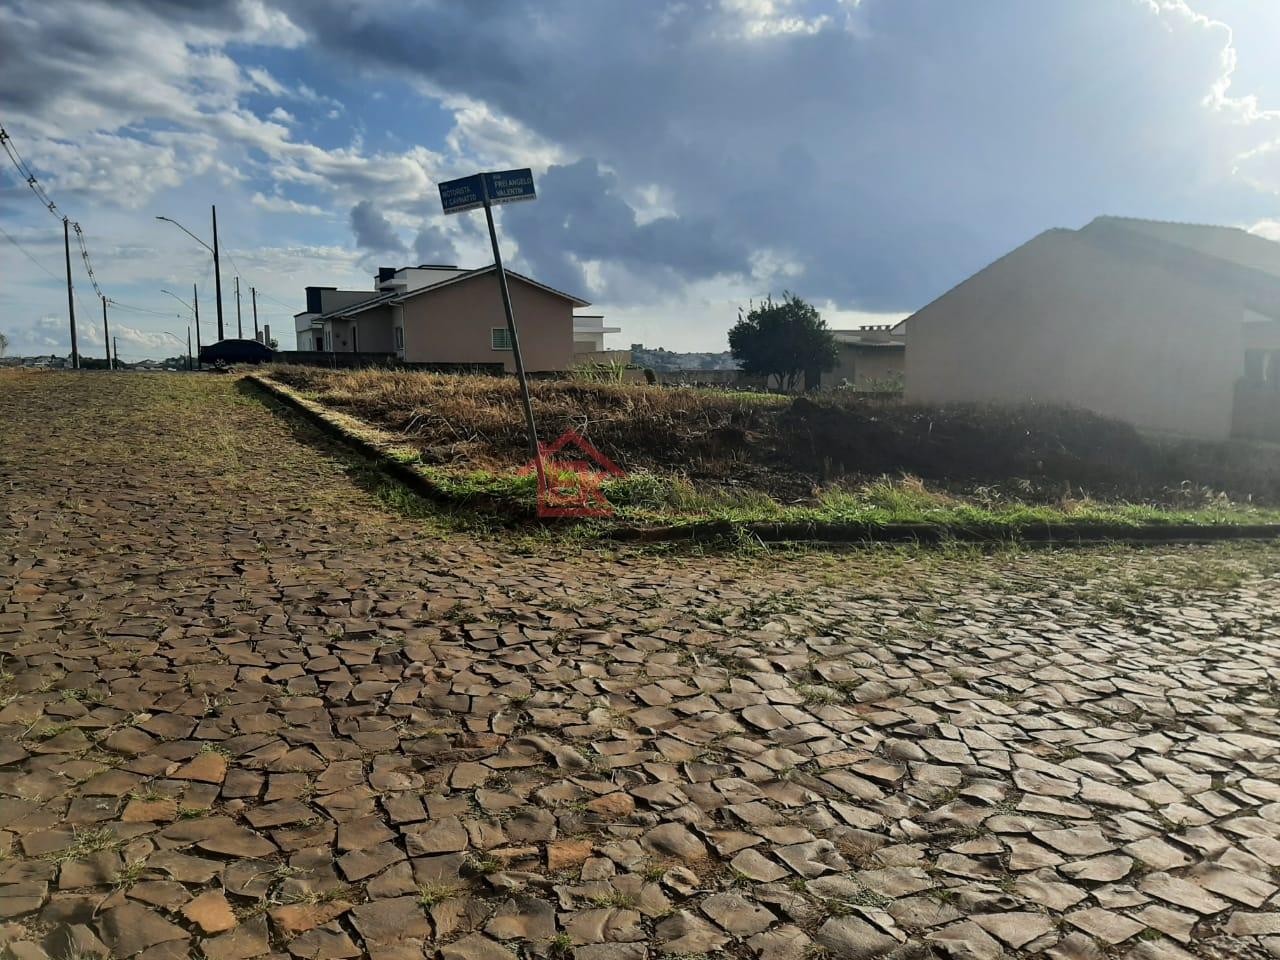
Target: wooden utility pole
<point>253,293</point>
<point>106,334</point>
<point>195,302</point>
<point>239,325</point>
<point>116,341</point>
<point>71,298</point>
<point>217,273</point>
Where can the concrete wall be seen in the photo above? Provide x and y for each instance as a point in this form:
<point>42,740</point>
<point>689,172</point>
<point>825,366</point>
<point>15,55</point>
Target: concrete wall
<point>1061,321</point>
<point>337,299</point>
<point>315,358</point>
<point>861,365</point>
<point>603,356</point>
<point>374,328</point>
<point>452,324</point>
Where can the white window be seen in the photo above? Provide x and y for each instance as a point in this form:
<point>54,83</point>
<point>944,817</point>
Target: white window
<point>499,338</point>
<point>399,338</point>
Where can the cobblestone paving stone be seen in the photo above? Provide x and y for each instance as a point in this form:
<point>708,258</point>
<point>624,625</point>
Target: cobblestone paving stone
<point>246,712</point>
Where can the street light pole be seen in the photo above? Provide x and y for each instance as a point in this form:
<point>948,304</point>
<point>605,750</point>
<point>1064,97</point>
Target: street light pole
<point>217,272</point>
<point>179,339</point>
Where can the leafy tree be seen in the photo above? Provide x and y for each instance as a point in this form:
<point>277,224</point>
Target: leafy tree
<point>4,344</point>
<point>783,339</point>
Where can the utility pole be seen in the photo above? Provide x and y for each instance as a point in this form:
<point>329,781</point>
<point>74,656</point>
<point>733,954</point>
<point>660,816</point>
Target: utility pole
<point>106,334</point>
<point>239,325</point>
<point>71,299</point>
<point>253,293</point>
<point>195,301</point>
<point>217,273</point>
<point>116,341</point>
<point>188,346</point>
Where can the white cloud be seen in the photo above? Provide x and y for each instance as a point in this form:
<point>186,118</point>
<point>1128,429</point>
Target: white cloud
<point>1267,228</point>
<point>850,150</point>
<point>770,18</point>
<point>278,204</point>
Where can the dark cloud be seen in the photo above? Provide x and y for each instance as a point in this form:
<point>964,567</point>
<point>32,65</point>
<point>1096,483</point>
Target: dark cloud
<point>432,246</point>
<point>583,218</point>
<point>373,232</point>
<point>889,154</point>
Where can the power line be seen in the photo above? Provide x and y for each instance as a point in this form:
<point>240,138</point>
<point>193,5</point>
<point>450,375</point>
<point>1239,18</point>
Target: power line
<point>125,306</point>
<point>84,253</point>
<point>25,171</point>
<point>268,296</point>
<point>25,253</point>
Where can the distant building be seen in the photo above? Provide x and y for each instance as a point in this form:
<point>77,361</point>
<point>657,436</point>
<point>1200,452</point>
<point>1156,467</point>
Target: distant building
<point>1172,327</point>
<point>442,314</point>
<point>661,359</point>
<point>588,333</point>
<point>50,362</point>
<point>872,356</point>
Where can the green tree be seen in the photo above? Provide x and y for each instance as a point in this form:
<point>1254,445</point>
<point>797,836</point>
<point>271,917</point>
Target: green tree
<point>783,339</point>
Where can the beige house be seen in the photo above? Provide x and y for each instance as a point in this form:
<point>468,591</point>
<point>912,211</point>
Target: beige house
<point>442,315</point>
<point>1172,327</point>
<point>873,356</point>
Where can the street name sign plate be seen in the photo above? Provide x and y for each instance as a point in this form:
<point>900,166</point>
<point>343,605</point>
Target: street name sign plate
<point>466,193</point>
<point>509,186</point>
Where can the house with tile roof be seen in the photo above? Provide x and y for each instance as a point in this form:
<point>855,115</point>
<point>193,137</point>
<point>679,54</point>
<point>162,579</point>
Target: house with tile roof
<point>444,315</point>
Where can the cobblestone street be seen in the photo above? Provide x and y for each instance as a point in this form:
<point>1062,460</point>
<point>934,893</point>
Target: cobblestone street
<point>249,710</point>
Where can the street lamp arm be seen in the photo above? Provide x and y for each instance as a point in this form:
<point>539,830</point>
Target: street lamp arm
<point>179,299</point>
<point>186,231</point>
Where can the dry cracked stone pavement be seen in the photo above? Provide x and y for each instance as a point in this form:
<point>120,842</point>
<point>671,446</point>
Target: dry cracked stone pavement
<point>249,710</point>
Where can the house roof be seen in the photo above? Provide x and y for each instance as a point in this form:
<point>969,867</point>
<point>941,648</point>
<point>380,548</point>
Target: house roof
<point>1219,256</point>
<point>385,299</point>
<point>875,337</point>
<point>1230,244</point>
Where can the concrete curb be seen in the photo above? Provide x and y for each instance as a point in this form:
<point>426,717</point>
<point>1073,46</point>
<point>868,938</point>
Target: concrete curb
<point>385,449</point>
<point>388,452</point>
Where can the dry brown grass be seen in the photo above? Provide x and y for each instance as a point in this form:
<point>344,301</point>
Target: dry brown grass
<point>477,422</point>
<point>789,447</point>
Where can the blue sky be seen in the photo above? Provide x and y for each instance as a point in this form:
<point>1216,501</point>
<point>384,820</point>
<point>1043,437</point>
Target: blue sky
<point>690,154</point>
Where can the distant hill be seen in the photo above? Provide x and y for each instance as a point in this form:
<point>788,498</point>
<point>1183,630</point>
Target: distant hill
<point>659,358</point>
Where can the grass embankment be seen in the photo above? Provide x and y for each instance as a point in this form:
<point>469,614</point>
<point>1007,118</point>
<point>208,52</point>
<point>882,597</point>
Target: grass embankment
<point>704,455</point>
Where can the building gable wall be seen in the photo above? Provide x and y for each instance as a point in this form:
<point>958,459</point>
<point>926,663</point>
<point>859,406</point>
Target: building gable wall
<point>1060,321</point>
<point>453,324</point>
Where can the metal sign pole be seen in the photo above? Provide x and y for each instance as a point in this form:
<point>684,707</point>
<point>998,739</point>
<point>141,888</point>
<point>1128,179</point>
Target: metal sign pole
<point>534,451</point>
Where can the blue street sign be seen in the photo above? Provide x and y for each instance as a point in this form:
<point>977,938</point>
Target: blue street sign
<point>466,193</point>
<point>508,186</point>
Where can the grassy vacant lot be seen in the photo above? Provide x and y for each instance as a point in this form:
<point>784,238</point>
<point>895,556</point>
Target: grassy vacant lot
<point>706,454</point>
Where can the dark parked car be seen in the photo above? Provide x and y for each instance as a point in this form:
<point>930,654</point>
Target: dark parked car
<point>235,351</point>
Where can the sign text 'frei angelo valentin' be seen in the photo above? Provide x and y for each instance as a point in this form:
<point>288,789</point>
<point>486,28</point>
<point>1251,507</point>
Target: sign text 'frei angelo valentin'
<point>484,190</point>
